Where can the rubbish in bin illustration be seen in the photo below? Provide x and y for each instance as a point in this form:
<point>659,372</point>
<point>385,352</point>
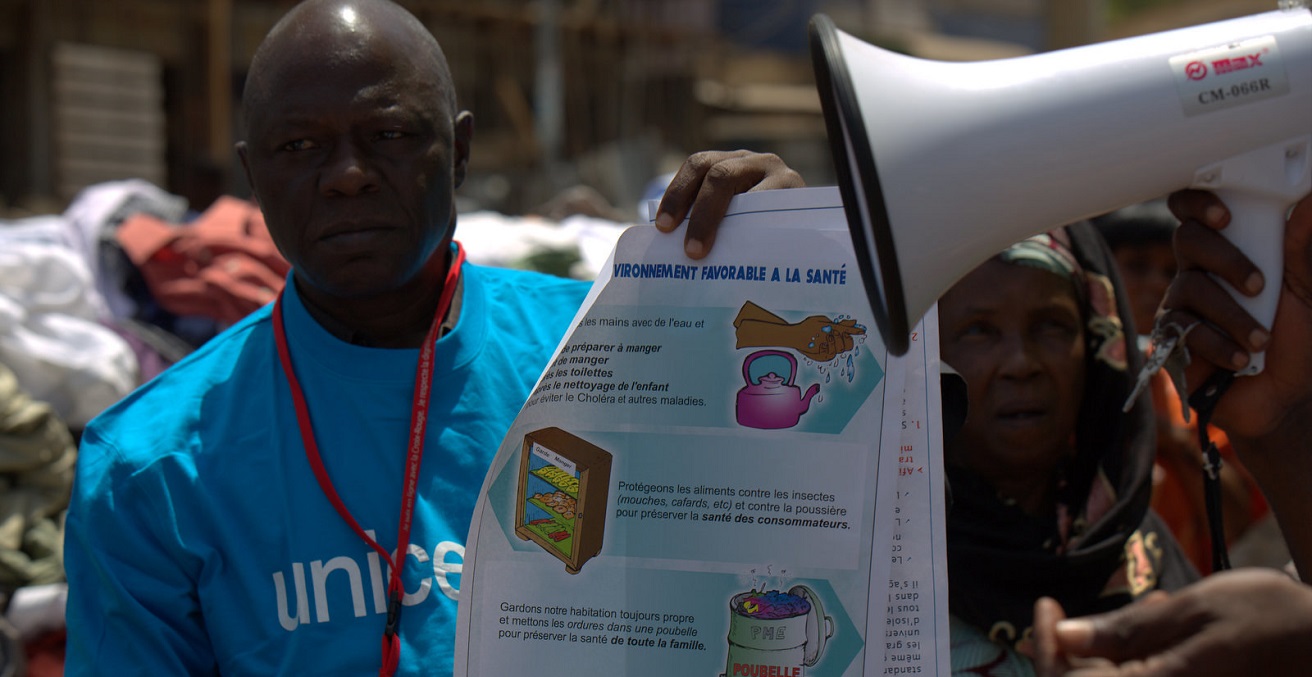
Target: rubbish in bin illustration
<point>769,399</point>
<point>776,633</point>
<point>564,481</point>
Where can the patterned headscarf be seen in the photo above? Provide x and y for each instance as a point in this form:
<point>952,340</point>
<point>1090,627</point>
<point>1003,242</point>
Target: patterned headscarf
<point>1051,252</point>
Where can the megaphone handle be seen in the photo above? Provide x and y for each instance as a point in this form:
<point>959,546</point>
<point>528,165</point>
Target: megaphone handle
<point>1257,228</point>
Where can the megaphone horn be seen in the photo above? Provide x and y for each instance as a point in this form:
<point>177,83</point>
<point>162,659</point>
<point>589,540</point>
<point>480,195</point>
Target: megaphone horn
<point>942,165</point>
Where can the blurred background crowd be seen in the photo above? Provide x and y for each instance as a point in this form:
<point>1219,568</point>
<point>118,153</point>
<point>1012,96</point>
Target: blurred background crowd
<point>126,237</point>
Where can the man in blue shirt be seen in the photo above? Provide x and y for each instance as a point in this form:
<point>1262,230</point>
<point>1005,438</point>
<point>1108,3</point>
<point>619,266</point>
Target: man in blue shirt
<point>241,514</point>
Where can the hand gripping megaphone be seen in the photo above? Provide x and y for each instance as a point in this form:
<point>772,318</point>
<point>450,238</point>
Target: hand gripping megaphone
<point>942,165</point>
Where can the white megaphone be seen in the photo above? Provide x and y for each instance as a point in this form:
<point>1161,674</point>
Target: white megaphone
<point>942,165</point>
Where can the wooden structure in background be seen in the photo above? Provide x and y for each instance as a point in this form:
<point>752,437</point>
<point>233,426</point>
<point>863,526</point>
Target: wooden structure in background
<point>624,75</point>
<point>107,117</point>
<point>639,80</point>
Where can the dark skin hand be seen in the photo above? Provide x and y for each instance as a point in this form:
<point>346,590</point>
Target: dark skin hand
<point>1268,416</point>
<point>703,186</point>
<point>1244,622</point>
<point>1258,405</point>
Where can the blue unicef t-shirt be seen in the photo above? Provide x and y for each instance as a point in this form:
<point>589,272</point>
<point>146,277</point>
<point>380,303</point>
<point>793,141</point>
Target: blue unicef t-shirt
<point>198,538</point>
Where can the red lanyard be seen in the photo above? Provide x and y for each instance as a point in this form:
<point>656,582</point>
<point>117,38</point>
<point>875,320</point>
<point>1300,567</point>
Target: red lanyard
<point>415,455</point>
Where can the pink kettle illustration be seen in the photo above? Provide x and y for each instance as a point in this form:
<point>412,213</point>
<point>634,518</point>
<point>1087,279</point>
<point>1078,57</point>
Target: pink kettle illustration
<point>770,400</point>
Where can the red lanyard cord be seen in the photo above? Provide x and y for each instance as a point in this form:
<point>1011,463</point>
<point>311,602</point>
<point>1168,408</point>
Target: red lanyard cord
<point>414,454</point>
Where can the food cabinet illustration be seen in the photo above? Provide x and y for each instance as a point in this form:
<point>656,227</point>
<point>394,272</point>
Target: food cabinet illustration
<point>564,482</point>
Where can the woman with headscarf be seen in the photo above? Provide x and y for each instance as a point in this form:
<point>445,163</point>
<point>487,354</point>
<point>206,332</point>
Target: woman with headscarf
<point>1050,479</point>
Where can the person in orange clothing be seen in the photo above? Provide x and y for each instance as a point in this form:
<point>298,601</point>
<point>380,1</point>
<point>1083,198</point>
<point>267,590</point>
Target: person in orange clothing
<point>1177,479</point>
<point>1140,239</point>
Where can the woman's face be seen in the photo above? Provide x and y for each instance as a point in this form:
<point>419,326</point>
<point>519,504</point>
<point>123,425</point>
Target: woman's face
<point>1016,335</point>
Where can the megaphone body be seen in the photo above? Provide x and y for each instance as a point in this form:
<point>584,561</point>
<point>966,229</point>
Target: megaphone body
<point>942,165</point>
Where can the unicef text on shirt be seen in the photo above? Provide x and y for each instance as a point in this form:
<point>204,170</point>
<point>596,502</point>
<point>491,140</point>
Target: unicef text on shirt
<point>348,590</point>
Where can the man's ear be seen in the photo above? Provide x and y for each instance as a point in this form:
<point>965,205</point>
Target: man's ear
<point>464,134</point>
<point>246,167</point>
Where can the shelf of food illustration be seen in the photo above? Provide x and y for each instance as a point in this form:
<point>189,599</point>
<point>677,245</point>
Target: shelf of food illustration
<point>558,533</point>
<point>558,479</point>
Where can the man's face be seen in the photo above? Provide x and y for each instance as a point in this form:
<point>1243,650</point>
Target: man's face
<point>353,157</point>
<point>1147,271</point>
<point>1015,334</point>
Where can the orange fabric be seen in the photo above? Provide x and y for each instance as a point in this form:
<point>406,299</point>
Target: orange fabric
<point>45,655</point>
<point>222,266</point>
<point>1178,479</point>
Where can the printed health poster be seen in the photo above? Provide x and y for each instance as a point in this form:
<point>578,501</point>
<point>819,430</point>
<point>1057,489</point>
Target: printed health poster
<point>694,486</point>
